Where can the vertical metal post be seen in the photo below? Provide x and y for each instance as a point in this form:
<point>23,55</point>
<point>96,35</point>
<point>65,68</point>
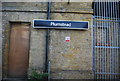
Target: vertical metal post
<point>116,34</point>
<point>99,34</point>
<point>115,24</point>
<point>105,38</point>
<point>101,39</point>
<point>111,42</point>
<point>114,41</point>
<point>93,40</point>
<point>118,38</point>
<point>109,55</point>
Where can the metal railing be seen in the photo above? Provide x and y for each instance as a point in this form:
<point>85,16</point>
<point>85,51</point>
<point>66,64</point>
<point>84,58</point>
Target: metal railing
<point>106,39</point>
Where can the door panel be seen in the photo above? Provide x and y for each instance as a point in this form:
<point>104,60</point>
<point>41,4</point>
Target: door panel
<point>19,50</point>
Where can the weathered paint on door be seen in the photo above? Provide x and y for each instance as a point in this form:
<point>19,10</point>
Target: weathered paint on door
<point>19,50</point>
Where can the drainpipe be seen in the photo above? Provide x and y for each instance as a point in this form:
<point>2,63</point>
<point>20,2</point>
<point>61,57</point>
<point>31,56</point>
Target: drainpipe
<point>47,38</point>
<point>48,9</point>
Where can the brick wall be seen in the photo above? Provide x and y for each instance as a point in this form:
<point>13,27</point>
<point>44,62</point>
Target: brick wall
<point>71,60</point>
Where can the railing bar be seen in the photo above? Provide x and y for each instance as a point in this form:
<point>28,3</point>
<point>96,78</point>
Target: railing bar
<point>114,37</point>
<point>101,26</point>
<point>107,74</point>
<point>94,52</point>
<point>106,42</point>
<point>118,42</point>
<point>98,33</point>
<point>117,57</point>
<point>107,50</point>
<point>109,39</point>
<point>95,44</point>
<point>109,20</point>
<point>110,73</point>
<point>95,33</point>
<point>104,39</point>
<point>106,47</point>
<point>118,27</point>
<point>105,17</point>
<point>101,31</point>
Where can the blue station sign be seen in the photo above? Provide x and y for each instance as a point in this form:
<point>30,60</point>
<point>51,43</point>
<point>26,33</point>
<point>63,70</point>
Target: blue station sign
<point>60,24</point>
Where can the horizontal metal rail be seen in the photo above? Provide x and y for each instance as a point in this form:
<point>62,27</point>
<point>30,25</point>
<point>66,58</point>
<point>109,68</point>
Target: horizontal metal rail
<point>104,17</point>
<point>106,47</point>
<point>109,73</point>
<point>109,20</point>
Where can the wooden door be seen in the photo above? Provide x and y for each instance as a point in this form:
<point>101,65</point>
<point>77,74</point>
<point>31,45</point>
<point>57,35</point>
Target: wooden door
<point>19,50</point>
